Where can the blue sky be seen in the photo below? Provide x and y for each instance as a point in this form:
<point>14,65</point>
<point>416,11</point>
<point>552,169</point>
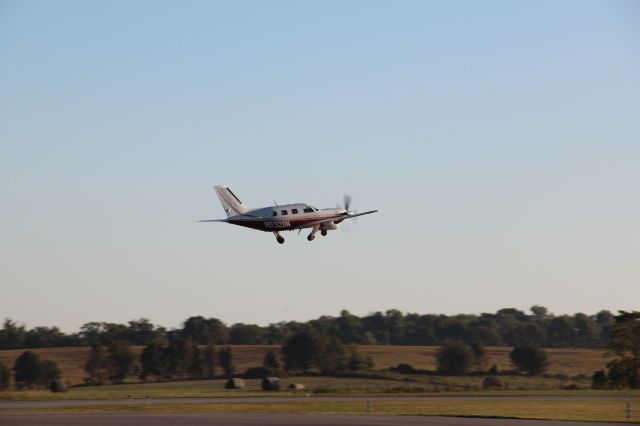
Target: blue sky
<point>499,140</point>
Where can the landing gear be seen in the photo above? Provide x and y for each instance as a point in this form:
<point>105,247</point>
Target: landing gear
<point>279,238</point>
<point>312,235</point>
<point>323,232</point>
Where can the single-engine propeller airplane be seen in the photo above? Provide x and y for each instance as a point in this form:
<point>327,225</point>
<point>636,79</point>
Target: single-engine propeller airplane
<point>287,217</point>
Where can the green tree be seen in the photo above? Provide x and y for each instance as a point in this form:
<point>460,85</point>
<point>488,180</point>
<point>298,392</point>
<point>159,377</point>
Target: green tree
<point>357,361</point>
<point>479,356</point>
<point>333,358</point>
<point>26,370</point>
<point>197,367</point>
<point>12,335</point>
<point>142,332</point>
<point>529,359</point>
<point>153,361</point>
<point>599,380</point>
<point>625,344</point>
<point>301,351</point>
<point>179,355</point>
<point>210,361</point>
<point>120,362</point>
<point>48,372</point>
<point>246,334</point>
<point>96,365</point>
<point>454,357</point>
<point>205,330</point>
<point>5,374</point>
<point>270,360</point>
<point>225,357</point>
<point>539,311</point>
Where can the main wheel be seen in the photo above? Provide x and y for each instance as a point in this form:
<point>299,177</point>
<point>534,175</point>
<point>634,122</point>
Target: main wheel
<point>311,237</point>
<point>323,232</point>
<point>280,240</point>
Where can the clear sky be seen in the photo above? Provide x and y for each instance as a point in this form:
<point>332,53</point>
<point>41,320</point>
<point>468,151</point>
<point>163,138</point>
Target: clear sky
<point>500,141</point>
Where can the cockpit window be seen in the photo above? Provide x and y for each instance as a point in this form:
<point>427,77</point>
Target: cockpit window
<point>275,213</point>
<point>294,211</point>
<point>283,212</point>
<point>308,209</point>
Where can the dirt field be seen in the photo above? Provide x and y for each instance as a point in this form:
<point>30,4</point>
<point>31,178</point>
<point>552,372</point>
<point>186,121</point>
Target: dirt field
<point>570,362</point>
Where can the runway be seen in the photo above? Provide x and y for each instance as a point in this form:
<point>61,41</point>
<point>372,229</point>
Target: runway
<point>268,419</point>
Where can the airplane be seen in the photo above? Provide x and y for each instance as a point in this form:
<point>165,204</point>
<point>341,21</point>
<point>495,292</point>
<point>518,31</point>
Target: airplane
<point>286,217</point>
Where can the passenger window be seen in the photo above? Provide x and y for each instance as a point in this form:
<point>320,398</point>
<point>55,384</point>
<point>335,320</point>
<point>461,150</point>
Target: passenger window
<point>308,210</point>
<point>275,213</point>
<point>283,212</point>
<point>294,211</point>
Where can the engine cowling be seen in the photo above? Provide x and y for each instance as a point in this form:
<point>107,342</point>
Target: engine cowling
<point>329,226</point>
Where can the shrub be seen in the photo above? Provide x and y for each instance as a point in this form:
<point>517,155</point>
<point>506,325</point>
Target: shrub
<point>455,357</point>
<point>529,359</point>
<point>271,384</point>
<point>4,376</point>
<point>26,370</point>
<point>49,372</point>
<point>599,380</point>
<point>491,383</point>
<point>404,369</point>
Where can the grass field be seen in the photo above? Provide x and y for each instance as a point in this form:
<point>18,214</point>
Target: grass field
<point>593,410</point>
<point>570,362</point>
<point>314,385</point>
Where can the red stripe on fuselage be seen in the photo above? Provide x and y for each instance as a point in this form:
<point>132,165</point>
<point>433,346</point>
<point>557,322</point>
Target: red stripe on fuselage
<point>279,224</point>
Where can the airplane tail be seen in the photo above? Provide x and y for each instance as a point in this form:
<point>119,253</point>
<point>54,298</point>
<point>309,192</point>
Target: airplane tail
<point>230,203</point>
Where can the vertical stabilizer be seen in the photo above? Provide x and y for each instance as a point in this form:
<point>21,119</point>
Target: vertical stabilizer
<point>230,203</point>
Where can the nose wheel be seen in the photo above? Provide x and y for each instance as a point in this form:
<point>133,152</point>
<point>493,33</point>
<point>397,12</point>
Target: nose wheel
<point>279,238</point>
<point>323,232</point>
<point>311,237</point>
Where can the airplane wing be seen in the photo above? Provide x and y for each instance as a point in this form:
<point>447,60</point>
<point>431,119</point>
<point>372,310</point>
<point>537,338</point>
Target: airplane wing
<point>331,219</point>
<point>213,220</point>
<point>351,216</point>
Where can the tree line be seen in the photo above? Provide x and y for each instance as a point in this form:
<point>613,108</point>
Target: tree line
<point>506,327</point>
<point>308,351</point>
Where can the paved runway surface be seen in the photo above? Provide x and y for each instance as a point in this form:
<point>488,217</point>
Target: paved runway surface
<point>267,419</point>
<point>265,399</point>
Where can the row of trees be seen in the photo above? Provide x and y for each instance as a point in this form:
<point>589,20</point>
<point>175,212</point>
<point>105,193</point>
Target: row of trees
<point>180,359</point>
<point>185,359</point>
<point>506,327</point>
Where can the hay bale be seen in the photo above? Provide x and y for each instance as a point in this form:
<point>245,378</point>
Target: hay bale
<point>58,386</point>
<point>297,386</point>
<point>491,383</point>
<point>234,383</point>
<point>271,383</point>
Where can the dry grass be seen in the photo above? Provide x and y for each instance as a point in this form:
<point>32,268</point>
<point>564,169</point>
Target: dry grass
<point>425,385</point>
<point>570,362</point>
